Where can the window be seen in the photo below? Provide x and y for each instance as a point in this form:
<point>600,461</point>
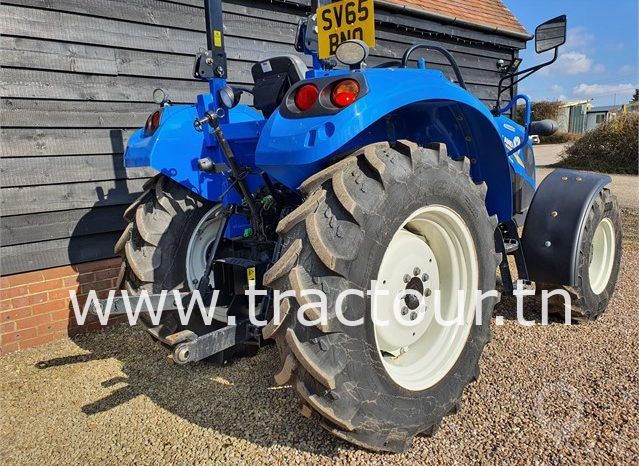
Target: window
<point>600,118</point>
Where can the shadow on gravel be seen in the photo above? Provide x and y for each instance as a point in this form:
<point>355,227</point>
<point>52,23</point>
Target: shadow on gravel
<point>507,308</point>
<point>239,400</point>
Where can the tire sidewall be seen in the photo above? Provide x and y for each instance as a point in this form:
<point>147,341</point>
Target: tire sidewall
<point>594,304</point>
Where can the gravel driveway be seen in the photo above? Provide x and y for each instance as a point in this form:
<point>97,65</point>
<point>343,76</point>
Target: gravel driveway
<point>547,395</point>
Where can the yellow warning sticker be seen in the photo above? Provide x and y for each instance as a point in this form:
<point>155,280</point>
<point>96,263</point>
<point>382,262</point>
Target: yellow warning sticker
<point>250,276</point>
<point>217,38</point>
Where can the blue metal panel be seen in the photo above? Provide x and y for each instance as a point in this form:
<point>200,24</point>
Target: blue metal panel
<point>176,146</point>
<point>430,109</point>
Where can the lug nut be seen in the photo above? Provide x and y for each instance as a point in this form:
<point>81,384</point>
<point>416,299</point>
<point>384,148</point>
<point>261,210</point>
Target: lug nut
<point>406,278</point>
<point>413,315</point>
<point>425,277</point>
<point>416,271</point>
<point>404,311</point>
<point>427,292</point>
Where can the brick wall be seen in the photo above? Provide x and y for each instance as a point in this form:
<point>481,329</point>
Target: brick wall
<point>35,307</point>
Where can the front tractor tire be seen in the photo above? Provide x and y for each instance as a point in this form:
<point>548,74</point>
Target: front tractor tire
<point>406,217</point>
<point>162,247</point>
<point>598,261</point>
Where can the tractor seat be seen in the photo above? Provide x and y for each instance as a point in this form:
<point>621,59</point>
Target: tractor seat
<point>543,127</point>
<point>273,77</point>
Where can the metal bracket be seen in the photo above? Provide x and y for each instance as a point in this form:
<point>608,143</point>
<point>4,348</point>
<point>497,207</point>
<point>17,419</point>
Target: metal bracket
<point>209,64</point>
<point>199,347</point>
<point>507,242</point>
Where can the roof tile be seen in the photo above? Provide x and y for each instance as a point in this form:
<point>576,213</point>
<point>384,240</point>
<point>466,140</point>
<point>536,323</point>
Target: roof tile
<point>492,13</point>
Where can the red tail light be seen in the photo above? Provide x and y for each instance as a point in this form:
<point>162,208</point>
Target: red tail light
<point>152,123</point>
<point>306,96</point>
<point>345,93</point>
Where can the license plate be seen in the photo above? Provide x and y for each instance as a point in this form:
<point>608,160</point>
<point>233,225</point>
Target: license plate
<point>342,21</point>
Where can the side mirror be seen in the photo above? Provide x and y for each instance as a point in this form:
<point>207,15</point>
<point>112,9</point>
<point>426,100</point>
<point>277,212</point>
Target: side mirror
<point>550,34</point>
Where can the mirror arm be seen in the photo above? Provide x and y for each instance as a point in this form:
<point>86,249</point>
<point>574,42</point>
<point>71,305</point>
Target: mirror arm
<point>526,73</point>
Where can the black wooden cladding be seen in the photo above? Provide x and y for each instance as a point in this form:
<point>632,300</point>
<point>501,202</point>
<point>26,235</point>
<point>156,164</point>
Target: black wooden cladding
<point>76,80</point>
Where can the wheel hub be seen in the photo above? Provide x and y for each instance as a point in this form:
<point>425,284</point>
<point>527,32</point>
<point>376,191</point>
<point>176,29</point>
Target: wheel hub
<point>406,254</point>
<point>602,255</point>
<point>200,247</point>
<point>432,251</point>
<point>417,286</point>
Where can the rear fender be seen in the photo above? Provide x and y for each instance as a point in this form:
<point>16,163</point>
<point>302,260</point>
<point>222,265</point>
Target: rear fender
<point>419,105</point>
<point>176,146</point>
<point>555,222</point>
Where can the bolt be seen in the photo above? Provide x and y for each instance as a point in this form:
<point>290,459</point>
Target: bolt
<point>219,71</point>
<point>182,354</point>
<point>547,244</point>
<point>564,178</point>
<point>579,178</point>
<point>406,278</point>
<point>209,61</point>
<point>404,311</point>
<point>413,315</point>
<point>416,271</point>
<point>554,213</point>
<point>425,277</point>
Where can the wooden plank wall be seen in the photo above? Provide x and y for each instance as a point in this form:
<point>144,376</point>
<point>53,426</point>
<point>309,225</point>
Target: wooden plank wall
<point>77,78</point>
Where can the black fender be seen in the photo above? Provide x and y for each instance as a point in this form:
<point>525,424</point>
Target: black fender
<point>555,222</point>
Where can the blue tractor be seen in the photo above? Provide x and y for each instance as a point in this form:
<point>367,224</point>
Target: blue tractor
<point>350,180</point>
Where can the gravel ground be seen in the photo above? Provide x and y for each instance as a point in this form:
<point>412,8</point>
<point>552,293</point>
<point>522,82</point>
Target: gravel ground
<point>548,395</point>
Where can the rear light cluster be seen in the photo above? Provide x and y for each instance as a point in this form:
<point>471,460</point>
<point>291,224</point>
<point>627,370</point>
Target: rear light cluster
<point>342,94</point>
<point>152,123</point>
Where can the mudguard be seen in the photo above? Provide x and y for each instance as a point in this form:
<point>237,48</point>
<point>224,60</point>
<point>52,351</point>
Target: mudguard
<point>555,222</point>
<point>426,107</point>
<point>176,146</point>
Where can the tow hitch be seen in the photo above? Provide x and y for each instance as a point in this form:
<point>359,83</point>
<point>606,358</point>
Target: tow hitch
<point>192,342</point>
<point>230,331</point>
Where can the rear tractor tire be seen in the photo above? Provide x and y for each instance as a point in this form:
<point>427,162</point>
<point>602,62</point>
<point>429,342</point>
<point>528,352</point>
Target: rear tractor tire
<point>406,217</point>
<point>167,239</point>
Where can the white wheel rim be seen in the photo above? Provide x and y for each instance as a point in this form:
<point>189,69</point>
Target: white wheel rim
<point>200,246</point>
<point>435,241</point>
<point>602,256</point>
